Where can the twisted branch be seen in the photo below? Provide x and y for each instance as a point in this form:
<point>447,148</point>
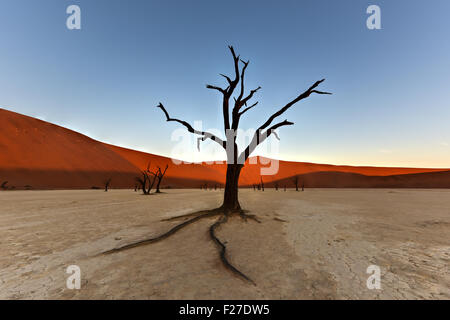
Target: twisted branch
<point>205,135</point>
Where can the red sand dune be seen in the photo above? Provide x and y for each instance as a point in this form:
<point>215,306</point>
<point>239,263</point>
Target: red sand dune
<point>40,155</point>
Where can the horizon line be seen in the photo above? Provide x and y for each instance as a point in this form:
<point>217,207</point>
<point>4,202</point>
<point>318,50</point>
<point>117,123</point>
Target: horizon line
<point>137,149</point>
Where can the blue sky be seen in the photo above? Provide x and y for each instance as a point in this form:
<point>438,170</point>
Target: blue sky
<point>391,101</point>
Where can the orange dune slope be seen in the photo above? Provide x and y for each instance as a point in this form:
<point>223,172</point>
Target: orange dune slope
<point>36,154</point>
<point>40,155</point>
<point>286,169</point>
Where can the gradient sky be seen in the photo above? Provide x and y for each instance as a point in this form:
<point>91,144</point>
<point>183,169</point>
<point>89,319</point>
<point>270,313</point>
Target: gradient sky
<point>391,101</point>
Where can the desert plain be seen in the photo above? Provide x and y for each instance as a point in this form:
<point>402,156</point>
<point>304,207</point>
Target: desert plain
<point>315,244</point>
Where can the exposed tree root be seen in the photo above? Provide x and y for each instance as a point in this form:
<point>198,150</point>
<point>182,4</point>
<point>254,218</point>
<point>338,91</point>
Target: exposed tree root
<point>245,216</point>
<point>196,216</point>
<point>223,249</point>
<point>163,236</point>
<point>192,214</point>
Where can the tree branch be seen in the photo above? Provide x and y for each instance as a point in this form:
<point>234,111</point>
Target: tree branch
<point>228,78</point>
<point>205,134</point>
<point>258,138</point>
<point>245,100</point>
<point>242,79</point>
<point>302,96</point>
<point>223,91</point>
<point>248,108</point>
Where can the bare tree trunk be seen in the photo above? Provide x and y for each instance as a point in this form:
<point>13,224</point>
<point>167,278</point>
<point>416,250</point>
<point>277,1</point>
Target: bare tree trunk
<point>158,184</point>
<point>160,175</point>
<point>107,183</point>
<point>230,199</point>
<point>296,183</point>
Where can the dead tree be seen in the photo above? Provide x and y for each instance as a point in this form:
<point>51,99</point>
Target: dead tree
<point>284,188</point>
<point>262,184</point>
<point>107,184</point>
<point>276,186</point>
<point>254,187</point>
<point>3,185</point>
<point>296,182</point>
<point>234,97</point>
<point>145,181</point>
<point>160,175</point>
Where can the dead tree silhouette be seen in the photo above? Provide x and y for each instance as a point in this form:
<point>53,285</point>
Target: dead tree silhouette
<point>276,186</point>
<point>262,184</point>
<point>235,160</point>
<point>107,184</point>
<point>284,188</point>
<point>160,175</point>
<point>296,182</point>
<point>146,183</point>
<point>3,186</point>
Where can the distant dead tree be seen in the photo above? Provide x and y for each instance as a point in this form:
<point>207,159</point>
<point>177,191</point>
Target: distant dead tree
<point>254,187</point>
<point>276,186</point>
<point>296,182</point>
<point>233,94</point>
<point>3,185</point>
<point>107,184</point>
<point>160,175</point>
<point>215,187</point>
<point>145,181</point>
<point>262,184</point>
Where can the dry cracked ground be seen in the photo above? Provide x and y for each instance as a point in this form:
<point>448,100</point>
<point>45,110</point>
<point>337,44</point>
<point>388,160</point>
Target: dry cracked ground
<point>315,244</point>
